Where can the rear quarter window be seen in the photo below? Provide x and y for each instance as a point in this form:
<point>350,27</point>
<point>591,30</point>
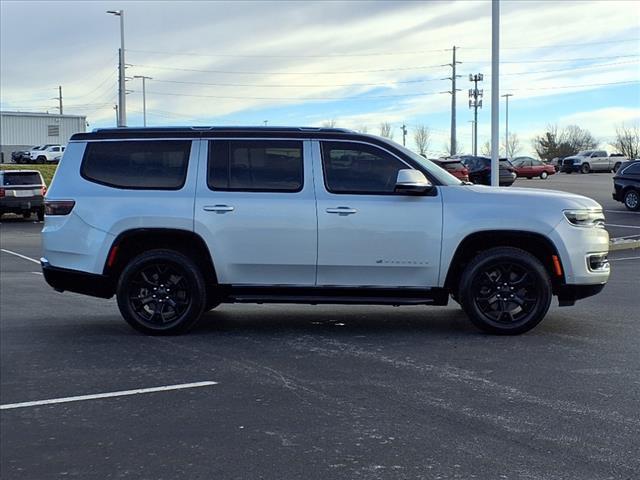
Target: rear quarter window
<point>137,164</point>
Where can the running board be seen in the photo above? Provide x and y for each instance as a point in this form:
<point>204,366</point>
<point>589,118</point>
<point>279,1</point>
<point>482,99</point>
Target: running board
<point>334,295</point>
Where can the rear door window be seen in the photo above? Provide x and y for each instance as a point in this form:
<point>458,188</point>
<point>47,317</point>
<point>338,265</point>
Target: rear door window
<point>21,178</point>
<point>255,165</point>
<point>137,164</point>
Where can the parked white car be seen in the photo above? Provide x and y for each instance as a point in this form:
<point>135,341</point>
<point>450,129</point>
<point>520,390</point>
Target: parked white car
<point>176,221</point>
<point>593,161</point>
<point>47,154</point>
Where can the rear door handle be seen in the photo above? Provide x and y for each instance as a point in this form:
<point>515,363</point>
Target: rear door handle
<point>342,210</point>
<point>217,208</point>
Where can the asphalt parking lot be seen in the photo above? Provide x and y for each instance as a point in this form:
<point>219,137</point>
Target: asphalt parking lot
<point>322,392</point>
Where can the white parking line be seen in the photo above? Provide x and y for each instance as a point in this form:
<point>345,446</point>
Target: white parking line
<point>622,226</point>
<point>121,393</point>
<point>622,211</point>
<point>21,256</point>
<point>624,258</point>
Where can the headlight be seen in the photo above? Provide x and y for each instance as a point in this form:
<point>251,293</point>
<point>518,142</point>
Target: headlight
<point>585,218</point>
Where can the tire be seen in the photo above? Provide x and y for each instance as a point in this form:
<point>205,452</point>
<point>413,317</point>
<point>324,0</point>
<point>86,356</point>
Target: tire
<point>585,168</point>
<point>40,213</point>
<point>544,175</point>
<point>616,167</point>
<point>487,300</point>
<point>146,279</point>
<point>41,159</point>
<point>632,199</point>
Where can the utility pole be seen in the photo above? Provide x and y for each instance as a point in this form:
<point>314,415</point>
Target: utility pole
<point>60,98</point>
<point>453,99</point>
<point>495,92</point>
<point>144,98</point>
<point>475,102</point>
<point>115,107</point>
<point>122,119</point>
<point>473,136</point>
<point>404,135</point>
<point>265,122</point>
<point>506,128</point>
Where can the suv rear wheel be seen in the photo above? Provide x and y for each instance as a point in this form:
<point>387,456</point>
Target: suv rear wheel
<point>505,291</point>
<point>161,292</point>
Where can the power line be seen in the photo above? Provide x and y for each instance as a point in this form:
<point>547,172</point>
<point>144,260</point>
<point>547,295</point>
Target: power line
<point>343,72</point>
<point>371,54</point>
<point>231,72</point>
<point>326,55</point>
<point>372,97</point>
<point>375,84</point>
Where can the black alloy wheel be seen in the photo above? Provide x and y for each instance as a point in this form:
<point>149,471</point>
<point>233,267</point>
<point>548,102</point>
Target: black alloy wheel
<point>505,291</point>
<point>161,292</point>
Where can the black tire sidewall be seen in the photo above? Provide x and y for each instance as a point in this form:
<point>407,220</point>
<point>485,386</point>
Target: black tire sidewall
<point>196,285</point>
<point>520,257</point>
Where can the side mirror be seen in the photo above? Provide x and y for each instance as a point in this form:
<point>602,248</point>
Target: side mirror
<point>412,181</point>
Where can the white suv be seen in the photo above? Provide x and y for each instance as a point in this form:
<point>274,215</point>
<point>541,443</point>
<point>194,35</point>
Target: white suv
<point>176,221</point>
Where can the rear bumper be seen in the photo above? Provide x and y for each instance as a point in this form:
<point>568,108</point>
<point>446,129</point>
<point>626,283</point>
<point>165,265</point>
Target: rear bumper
<point>62,279</point>
<point>20,204</point>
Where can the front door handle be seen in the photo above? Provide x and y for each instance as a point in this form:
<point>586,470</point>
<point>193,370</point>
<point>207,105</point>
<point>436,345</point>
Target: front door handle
<point>342,210</point>
<point>217,208</point>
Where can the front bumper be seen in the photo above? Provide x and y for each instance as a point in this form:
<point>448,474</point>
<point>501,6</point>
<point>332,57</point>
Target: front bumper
<point>62,279</point>
<point>568,294</point>
<point>574,167</point>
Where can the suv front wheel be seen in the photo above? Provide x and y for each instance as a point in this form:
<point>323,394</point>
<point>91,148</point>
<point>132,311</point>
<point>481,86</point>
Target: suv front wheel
<point>161,292</point>
<point>505,291</point>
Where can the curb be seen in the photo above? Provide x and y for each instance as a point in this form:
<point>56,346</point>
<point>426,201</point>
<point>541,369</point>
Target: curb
<point>617,244</point>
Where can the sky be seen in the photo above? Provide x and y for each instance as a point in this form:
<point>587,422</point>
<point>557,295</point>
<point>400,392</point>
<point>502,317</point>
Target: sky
<point>355,63</point>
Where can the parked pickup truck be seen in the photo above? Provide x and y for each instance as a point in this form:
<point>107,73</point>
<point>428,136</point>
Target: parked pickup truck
<point>46,155</point>
<point>592,161</point>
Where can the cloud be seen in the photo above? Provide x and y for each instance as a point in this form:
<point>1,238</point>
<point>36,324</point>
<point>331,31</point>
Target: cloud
<point>301,53</point>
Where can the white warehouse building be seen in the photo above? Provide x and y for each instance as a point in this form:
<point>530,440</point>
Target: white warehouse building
<point>21,130</point>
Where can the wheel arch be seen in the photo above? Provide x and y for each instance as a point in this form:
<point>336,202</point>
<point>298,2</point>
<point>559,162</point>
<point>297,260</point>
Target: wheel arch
<point>540,246</point>
<point>131,243</point>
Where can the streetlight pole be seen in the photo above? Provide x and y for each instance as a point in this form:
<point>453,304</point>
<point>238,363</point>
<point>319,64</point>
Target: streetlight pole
<point>122,118</point>
<point>144,98</point>
<point>495,91</point>
<point>506,128</point>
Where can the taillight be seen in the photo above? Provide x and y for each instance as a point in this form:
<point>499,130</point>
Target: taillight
<point>1,192</point>
<point>58,207</point>
<point>43,190</point>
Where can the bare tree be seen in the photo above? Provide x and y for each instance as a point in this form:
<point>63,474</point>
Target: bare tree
<point>362,129</point>
<point>329,123</point>
<point>386,130</point>
<point>447,148</point>
<point>486,149</point>
<point>563,143</point>
<point>512,146</point>
<point>422,138</point>
<point>627,140</point>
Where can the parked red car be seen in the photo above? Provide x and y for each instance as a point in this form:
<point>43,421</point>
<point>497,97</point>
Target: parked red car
<point>454,166</point>
<point>530,167</point>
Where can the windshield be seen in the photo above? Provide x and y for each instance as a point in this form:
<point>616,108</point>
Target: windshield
<point>441,174</point>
